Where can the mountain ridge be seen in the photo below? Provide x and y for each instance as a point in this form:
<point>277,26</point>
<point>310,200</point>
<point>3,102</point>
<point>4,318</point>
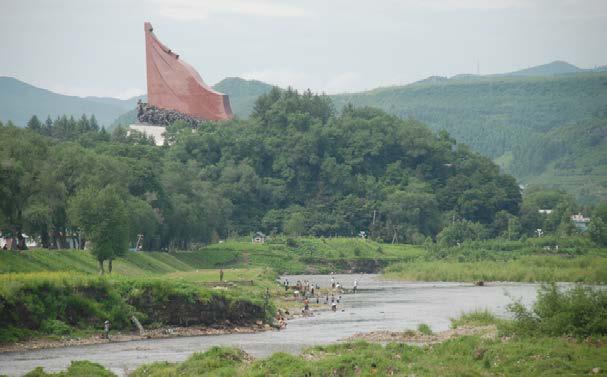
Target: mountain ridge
<point>19,101</point>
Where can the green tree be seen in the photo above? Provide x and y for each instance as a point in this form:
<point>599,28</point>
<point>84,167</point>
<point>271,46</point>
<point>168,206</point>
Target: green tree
<point>295,224</point>
<point>102,217</point>
<point>598,231</point>
<point>461,231</point>
<point>34,124</point>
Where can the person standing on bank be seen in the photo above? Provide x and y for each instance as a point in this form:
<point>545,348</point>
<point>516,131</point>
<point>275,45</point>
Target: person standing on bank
<point>221,274</point>
<point>106,329</point>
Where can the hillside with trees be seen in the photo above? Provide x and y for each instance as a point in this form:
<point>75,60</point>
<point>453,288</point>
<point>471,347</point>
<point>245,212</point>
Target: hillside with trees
<point>492,114</point>
<point>519,121</point>
<point>294,167</point>
<point>572,158</point>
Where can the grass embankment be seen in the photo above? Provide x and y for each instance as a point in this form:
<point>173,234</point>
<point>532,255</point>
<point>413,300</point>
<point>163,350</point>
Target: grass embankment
<point>318,255</point>
<point>141,263</point>
<point>586,269</point>
<point>66,304</point>
<point>297,255</point>
<point>533,260</point>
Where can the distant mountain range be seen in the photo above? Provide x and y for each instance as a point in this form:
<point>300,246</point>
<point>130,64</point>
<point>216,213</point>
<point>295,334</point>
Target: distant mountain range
<point>19,101</point>
<point>497,115</point>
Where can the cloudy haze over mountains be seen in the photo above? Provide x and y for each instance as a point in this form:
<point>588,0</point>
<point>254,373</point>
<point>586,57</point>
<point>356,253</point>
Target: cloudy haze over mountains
<point>88,48</point>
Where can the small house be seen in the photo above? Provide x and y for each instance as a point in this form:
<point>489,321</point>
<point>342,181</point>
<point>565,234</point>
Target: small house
<point>259,238</point>
<point>580,221</point>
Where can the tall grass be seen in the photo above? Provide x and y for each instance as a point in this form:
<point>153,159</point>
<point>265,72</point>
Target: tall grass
<point>588,269</point>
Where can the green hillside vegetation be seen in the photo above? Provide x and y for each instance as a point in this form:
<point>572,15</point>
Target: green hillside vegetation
<point>243,93</point>
<point>20,101</point>
<point>295,167</point>
<point>492,114</point>
<point>572,158</point>
<point>513,119</point>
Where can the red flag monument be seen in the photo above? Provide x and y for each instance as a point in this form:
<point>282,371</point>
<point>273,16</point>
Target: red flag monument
<point>174,85</point>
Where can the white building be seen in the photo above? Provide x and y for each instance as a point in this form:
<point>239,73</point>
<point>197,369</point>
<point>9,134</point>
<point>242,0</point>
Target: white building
<point>580,221</point>
<point>156,131</point>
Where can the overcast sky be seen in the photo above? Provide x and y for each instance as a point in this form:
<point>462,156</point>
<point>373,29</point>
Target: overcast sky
<point>84,47</point>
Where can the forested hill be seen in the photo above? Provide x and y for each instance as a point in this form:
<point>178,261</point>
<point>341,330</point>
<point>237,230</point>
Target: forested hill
<point>243,93</point>
<point>572,157</point>
<point>294,166</point>
<point>493,114</point>
<point>555,68</point>
<point>538,128</point>
<point>20,101</point>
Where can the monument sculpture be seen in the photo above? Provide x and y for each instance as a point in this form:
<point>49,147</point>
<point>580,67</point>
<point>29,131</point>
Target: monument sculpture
<point>176,92</point>
<point>175,85</point>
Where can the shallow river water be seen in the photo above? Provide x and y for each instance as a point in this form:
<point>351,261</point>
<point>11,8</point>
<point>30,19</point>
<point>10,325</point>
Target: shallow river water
<point>379,305</point>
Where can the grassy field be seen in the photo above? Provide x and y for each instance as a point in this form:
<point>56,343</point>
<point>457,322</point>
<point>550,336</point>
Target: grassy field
<point>320,255</point>
<point>587,269</point>
<point>132,264</point>
<point>283,255</point>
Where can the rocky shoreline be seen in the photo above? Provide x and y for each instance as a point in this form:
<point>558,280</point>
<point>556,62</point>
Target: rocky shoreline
<point>115,337</point>
<point>416,337</point>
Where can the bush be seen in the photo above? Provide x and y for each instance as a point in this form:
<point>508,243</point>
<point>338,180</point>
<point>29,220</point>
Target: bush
<point>475,318</point>
<point>580,311</point>
<point>76,369</point>
<point>55,327</point>
<point>424,329</point>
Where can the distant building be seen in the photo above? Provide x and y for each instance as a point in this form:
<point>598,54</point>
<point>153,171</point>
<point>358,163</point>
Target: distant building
<point>545,211</point>
<point>259,238</point>
<point>150,130</point>
<point>580,221</point>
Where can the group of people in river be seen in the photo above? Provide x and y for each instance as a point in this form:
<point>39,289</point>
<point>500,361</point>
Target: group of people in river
<point>308,292</point>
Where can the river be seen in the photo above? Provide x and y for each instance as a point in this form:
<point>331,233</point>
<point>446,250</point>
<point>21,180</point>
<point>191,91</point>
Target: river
<point>379,305</point>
